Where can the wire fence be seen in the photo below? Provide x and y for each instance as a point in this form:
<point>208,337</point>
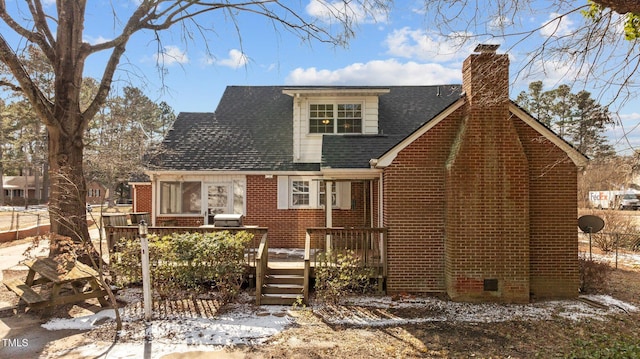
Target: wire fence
<point>616,243</point>
<point>18,219</point>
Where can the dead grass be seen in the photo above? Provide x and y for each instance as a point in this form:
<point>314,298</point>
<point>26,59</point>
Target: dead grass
<point>311,337</point>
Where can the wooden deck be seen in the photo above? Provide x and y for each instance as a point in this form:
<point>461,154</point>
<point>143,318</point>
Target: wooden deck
<point>283,275</point>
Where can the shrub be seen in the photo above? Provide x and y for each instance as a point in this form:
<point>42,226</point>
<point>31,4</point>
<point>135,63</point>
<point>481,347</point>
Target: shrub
<point>197,261</point>
<point>340,274</point>
<point>620,230</point>
<point>594,275</point>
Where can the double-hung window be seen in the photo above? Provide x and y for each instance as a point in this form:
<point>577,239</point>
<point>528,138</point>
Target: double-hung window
<point>302,192</point>
<point>335,118</point>
<point>322,200</point>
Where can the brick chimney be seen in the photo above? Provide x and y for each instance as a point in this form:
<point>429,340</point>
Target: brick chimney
<point>487,191</point>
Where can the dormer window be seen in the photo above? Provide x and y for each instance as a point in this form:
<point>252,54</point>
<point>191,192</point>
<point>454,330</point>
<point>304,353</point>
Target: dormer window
<point>335,118</point>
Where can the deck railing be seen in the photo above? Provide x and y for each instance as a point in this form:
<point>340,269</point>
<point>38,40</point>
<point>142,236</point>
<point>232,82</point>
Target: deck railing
<point>262,261</point>
<point>114,233</point>
<point>369,245</point>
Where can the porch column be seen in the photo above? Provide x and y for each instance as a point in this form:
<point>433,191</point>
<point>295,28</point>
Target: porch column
<point>328,210</point>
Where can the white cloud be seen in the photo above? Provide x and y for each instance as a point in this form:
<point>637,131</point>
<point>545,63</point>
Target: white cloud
<point>428,46</point>
<point>377,73</point>
<point>235,60</point>
<point>95,40</point>
<point>171,55</point>
<point>557,26</point>
<point>330,11</point>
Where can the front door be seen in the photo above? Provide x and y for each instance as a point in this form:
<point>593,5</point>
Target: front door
<point>218,200</point>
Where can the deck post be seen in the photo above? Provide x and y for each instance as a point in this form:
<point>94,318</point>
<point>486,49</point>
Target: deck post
<point>307,266</point>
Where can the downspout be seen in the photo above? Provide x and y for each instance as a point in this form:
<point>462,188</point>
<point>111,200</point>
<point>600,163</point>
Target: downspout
<point>383,249</point>
<point>154,196</point>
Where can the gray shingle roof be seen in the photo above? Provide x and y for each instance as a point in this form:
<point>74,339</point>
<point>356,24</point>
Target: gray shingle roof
<point>400,112</point>
<point>252,130</point>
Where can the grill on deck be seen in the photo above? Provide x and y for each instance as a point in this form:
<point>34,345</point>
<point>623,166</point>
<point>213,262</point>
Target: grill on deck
<point>227,220</point>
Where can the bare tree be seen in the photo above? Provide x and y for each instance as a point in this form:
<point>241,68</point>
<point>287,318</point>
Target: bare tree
<point>59,35</point>
<point>594,41</point>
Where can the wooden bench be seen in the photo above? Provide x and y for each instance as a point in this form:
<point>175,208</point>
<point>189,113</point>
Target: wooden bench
<point>26,293</point>
<point>44,271</point>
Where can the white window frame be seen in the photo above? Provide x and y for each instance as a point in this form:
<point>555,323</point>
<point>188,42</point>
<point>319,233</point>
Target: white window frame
<point>285,193</point>
<point>335,118</point>
<point>334,193</point>
<point>179,198</point>
<point>312,192</point>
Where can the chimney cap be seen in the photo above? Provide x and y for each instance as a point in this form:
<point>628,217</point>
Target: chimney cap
<point>486,48</point>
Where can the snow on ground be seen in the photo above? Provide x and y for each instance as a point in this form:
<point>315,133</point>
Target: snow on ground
<point>628,259</point>
<point>244,324</point>
<point>443,310</point>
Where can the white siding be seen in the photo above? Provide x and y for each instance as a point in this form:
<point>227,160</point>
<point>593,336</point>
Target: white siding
<point>308,147</point>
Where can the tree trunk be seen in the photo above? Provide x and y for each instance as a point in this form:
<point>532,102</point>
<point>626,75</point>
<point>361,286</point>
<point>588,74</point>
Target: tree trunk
<point>67,201</point>
<point>36,184</point>
<point>1,179</point>
<point>26,189</point>
<point>111,195</point>
<point>45,183</point>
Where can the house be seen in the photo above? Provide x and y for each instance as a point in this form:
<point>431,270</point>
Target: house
<point>96,193</point>
<point>478,198</point>
<point>14,188</point>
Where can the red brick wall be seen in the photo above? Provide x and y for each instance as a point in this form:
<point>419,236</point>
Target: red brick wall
<point>142,198</point>
<point>287,227</point>
<point>414,203</point>
<point>416,216</point>
<point>553,217</point>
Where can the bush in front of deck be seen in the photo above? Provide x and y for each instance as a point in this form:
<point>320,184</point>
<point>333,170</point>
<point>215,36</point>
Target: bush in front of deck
<point>194,261</point>
<point>340,274</point>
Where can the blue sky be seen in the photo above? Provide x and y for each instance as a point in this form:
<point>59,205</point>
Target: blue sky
<point>401,49</point>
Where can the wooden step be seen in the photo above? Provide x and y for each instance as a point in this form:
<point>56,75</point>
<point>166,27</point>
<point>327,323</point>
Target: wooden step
<point>25,292</point>
<point>280,299</point>
<point>283,289</point>
<point>285,271</point>
<point>282,286</point>
<point>284,279</point>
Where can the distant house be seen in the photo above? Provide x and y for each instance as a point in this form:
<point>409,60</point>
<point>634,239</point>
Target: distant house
<point>478,197</point>
<point>96,193</point>
<point>15,188</point>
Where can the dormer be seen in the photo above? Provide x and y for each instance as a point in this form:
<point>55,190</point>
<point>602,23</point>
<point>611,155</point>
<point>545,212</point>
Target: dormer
<point>331,111</point>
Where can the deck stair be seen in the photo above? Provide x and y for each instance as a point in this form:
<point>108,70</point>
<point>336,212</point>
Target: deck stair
<point>282,286</point>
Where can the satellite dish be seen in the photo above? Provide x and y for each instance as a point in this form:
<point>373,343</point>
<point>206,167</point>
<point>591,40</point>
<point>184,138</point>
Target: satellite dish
<point>590,224</point>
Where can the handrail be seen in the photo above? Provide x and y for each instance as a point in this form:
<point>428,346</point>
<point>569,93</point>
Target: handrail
<point>262,261</point>
<point>307,266</point>
<point>368,244</point>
